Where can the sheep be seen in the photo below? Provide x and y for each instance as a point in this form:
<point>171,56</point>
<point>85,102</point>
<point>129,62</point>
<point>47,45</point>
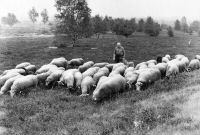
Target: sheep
<point>22,65</point>
<point>4,78</point>
<point>168,56</point>
<point>181,66</point>
<point>85,66</point>
<point>172,69</point>
<point>165,60</point>
<point>59,62</point>
<point>151,61</point>
<point>102,72</point>
<point>31,69</point>
<point>131,78</point>
<point>129,69</point>
<point>87,85</point>
<point>179,56</point>
<point>20,71</point>
<point>7,85</point>
<point>197,57</point>
<point>78,79</point>
<point>185,60</point>
<point>193,65</point>
<point>150,65</point>
<point>109,86</point>
<point>46,68</point>
<point>67,78</point>
<point>147,77</point>
<point>119,70</point>
<point>163,68</point>
<point>23,83</point>
<point>76,62</point>
<point>141,65</point>
<point>54,77</point>
<point>128,63</point>
<point>100,65</point>
<point>110,66</point>
<point>90,72</point>
<point>43,76</point>
<point>117,65</point>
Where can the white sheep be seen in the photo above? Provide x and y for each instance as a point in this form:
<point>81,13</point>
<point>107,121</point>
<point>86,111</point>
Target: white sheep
<point>197,57</point>
<point>31,69</point>
<point>90,72</point>
<point>54,77</point>
<point>147,77</point>
<point>119,70</point>
<point>165,59</point>
<point>78,79</point>
<point>168,56</point>
<point>100,65</point>
<point>46,68</point>
<point>141,65</point>
<point>179,56</point>
<point>150,65</point>
<point>87,85</point>
<point>109,86</point>
<point>76,62</point>
<point>20,71</point>
<point>7,85</point>
<point>102,72</point>
<point>163,68</point>
<point>151,61</point>
<point>43,76</point>
<point>23,83</point>
<point>117,65</point>
<point>22,65</point>
<point>85,66</point>
<point>67,78</point>
<point>172,68</point>
<point>131,78</point>
<point>129,69</point>
<point>193,65</point>
<point>4,78</point>
<point>59,62</point>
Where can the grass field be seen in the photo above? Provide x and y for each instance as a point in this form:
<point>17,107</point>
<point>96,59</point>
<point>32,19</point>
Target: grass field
<point>57,112</point>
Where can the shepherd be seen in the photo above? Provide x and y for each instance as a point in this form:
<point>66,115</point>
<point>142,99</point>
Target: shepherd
<point>119,53</point>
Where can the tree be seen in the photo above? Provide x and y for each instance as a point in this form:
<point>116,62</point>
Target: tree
<point>99,26</point>
<point>170,32</point>
<point>177,25</point>
<point>123,27</point>
<point>184,25</point>
<point>140,27</point>
<point>74,18</point>
<point>44,15</point>
<point>195,26</point>
<point>10,20</point>
<point>33,14</point>
<point>151,28</point>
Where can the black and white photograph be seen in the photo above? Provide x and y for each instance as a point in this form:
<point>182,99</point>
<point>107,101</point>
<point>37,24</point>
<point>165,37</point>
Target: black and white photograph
<point>99,67</point>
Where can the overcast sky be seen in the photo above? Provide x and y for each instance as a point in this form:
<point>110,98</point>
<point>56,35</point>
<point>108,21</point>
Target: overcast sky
<point>159,9</point>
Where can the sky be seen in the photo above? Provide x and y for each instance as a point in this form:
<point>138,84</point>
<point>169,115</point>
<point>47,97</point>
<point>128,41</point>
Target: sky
<point>158,9</point>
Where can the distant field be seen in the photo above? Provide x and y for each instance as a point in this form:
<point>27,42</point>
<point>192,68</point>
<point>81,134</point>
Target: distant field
<point>50,112</point>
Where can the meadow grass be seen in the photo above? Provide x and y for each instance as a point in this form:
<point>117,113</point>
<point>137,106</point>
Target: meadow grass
<point>57,111</point>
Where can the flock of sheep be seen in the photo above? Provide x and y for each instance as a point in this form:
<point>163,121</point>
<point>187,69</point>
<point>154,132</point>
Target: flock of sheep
<point>98,79</point>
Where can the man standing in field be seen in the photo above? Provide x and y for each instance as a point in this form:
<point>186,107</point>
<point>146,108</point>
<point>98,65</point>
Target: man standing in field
<point>119,53</point>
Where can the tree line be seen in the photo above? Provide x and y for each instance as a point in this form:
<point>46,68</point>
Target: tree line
<point>11,18</point>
